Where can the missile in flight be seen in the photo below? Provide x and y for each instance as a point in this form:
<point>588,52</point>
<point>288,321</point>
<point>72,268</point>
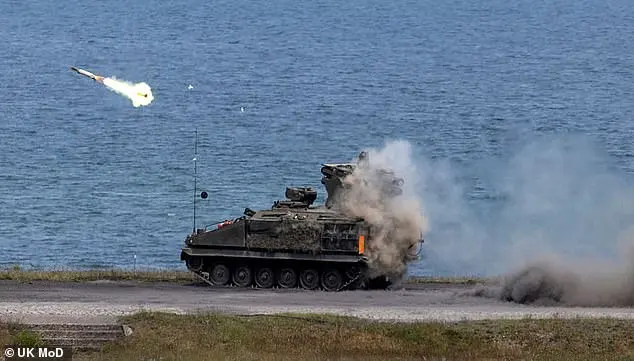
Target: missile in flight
<point>88,74</point>
<point>139,93</point>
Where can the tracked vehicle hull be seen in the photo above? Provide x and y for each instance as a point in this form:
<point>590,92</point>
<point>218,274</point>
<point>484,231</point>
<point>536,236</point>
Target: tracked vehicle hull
<point>284,248</point>
<point>290,245</point>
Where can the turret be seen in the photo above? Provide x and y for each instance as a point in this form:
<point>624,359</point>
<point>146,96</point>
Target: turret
<point>297,197</point>
<point>335,173</point>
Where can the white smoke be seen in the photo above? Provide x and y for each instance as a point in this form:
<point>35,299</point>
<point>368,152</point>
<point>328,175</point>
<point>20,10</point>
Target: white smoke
<point>139,93</point>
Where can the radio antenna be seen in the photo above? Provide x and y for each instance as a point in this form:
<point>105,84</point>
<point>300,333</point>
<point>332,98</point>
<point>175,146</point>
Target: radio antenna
<point>195,175</point>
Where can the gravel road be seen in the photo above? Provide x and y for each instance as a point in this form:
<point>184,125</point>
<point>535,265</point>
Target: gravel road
<point>102,302</point>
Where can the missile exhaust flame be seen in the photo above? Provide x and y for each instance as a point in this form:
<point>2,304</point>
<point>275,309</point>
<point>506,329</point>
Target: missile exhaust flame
<point>139,93</point>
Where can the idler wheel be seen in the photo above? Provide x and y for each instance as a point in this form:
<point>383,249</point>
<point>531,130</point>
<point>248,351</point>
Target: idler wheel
<point>265,278</point>
<point>220,275</point>
<point>242,276</point>
<point>353,272</point>
<point>331,280</point>
<point>287,278</point>
<point>309,279</point>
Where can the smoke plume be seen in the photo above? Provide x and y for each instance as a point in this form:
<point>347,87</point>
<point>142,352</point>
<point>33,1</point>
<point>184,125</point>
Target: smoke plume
<point>397,220</point>
<point>555,219</point>
<point>139,93</point>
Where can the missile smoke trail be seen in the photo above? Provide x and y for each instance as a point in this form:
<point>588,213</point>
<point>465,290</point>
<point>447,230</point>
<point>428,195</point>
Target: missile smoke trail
<point>139,93</point>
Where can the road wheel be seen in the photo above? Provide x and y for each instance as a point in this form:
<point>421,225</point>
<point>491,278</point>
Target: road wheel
<point>309,279</point>
<point>242,276</point>
<point>331,280</point>
<point>195,264</point>
<point>287,278</point>
<point>265,278</point>
<point>220,274</point>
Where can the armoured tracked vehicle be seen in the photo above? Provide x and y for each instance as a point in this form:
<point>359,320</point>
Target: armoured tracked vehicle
<point>292,244</point>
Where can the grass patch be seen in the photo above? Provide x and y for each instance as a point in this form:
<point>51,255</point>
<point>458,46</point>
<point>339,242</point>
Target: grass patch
<point>62,275</point>
<point>166,337</point>
<point>5,336</point>
<point>26,338</point>
<point>13,333</point>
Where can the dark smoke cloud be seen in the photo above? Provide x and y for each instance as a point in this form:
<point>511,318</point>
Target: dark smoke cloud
<point>574,281</point>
